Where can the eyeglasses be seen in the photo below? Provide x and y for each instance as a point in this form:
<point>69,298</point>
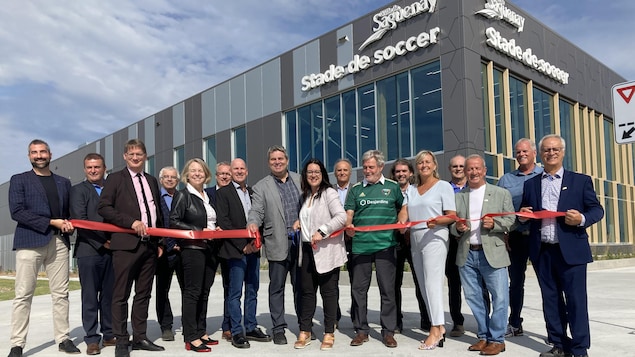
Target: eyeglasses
<point>554,150</point>
<point>169,177</point>
<point>314,172</point>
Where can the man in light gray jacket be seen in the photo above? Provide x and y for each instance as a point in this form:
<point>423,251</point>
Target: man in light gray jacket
<point>275,205</point>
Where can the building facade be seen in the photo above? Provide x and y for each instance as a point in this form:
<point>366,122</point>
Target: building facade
<point>450,76</point>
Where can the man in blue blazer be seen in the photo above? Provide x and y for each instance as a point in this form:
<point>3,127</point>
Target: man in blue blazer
<point>559,248</point>
<point>38,201</point>
<point>94,258</point>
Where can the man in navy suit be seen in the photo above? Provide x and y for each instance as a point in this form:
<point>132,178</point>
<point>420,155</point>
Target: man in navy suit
<point>94,258</point>
<point>559,247</point>
<point>130,199</point>
<point>38,201</point>
<point>233,203</point>
<point>223,178</point>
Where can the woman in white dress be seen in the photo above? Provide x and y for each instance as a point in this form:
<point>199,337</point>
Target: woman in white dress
<point>429,199</point>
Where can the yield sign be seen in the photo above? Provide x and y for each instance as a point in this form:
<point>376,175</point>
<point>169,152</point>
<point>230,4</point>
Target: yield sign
<point>626,93</point>
<point>624,112</point>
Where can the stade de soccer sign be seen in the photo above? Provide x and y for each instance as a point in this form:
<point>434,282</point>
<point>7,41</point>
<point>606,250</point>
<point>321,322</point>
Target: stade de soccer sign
<point>624,112</point>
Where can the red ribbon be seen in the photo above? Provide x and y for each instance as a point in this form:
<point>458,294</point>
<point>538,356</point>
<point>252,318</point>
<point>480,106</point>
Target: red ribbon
<point>385,227</point>
<point>172,233</point>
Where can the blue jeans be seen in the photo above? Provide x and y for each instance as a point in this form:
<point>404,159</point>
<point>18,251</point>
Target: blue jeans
<point>490,328</point>
<point>247,270</point>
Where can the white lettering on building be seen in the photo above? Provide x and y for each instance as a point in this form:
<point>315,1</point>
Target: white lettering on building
<point>496,9</point>
<point>359,63</point>
<point>509,48</point>
<point>388,19</point>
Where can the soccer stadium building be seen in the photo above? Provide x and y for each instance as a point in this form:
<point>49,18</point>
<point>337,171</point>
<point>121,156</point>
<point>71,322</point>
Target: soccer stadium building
<point>450,76</point>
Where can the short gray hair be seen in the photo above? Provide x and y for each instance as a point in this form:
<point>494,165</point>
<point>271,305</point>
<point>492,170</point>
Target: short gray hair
<point>374,154</point>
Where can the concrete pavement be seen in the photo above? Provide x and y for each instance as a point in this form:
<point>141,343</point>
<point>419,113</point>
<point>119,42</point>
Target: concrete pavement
<point>611,306</point>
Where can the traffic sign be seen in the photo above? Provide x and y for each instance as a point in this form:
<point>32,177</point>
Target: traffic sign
<point>624,112</point>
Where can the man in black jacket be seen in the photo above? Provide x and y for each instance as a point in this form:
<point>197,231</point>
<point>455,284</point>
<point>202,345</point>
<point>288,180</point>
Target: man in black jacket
<point>243,258</point>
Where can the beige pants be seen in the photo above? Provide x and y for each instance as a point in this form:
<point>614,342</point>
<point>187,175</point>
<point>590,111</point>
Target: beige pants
<point>54,258</point>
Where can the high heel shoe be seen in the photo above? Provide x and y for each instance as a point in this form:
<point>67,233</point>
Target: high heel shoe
<point>209,341</point>
<point>200,348</point>
<point>439,343</point>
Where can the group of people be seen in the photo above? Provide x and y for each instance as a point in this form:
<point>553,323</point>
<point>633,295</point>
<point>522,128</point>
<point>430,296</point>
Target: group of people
<point>464,229</point>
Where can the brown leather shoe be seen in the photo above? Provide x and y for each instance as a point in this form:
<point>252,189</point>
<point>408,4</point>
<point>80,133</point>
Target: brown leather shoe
<point>389,341</point>
<point>111,342</point>
<point>304,339</point>
<point>227,336</point>
<point>359,339</point>
<point>478,346</point>
<point>93,349</point>
<point>493,348</point>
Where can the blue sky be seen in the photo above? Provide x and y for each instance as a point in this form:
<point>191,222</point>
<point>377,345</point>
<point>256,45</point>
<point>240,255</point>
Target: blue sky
<point>72,72</point>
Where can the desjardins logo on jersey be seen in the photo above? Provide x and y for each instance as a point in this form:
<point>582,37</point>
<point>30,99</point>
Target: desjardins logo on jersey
<point>386,191</point>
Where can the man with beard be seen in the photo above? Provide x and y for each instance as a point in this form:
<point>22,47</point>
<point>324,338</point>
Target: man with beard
<point>39,203</point>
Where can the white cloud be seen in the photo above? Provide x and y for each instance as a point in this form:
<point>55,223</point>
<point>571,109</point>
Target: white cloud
<point>74,71</point>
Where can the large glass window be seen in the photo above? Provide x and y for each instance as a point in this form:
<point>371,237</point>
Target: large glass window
<point>609,150</point>
<point>240,143</point>
<point>349,104</point>
<point>150,166</point>
<point>518,108</point>
<point>393,108</point>
<point>333,130</point>
<point>311,132</point>
<point>292,139</point>
<point>485,89</point>
<point>367,129</point>
<point>427,107</point>
<point>179,160</point>
<point>499,111</point>
<point>567,133</point>
<point>385,115</point>
<point>543,109</point>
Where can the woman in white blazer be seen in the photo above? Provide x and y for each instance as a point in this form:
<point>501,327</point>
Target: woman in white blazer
<point>322,255</point>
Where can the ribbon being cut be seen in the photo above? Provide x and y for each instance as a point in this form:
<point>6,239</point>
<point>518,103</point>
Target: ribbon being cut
<point>532,215</point>
<point>172,233</point>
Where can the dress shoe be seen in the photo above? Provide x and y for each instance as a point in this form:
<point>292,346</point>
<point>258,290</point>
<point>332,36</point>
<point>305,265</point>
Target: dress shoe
<point>200,348</point>
<point>227,336</point>
<point>389,341</point>
<point>279,338</point>
<point>478,346</point>
<point>209,341</point>
<point>493,348</point>
<point>167,335</point>
<point>257,335</point>
<point>457,331</point>
<point>109,342</point>
<point>304,339</point>
<point>514,331</point>
<point>69,347</point>
<point>359,339</point>
<point>555,352</point>
<point>122,351</point>
<point>327,342</point>
<point>16,351</point>
<point>146,345</point>
<point>93,349</point>
<point>239,341</point>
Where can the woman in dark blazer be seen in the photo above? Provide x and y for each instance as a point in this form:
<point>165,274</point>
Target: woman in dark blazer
<point>192,210</point>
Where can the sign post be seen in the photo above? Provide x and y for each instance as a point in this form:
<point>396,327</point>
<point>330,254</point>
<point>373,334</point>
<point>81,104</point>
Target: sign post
<point>623,95</point>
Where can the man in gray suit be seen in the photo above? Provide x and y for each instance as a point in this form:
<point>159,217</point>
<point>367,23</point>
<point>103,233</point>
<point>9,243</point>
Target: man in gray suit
<point>482,253</point>
<point>275,205</point>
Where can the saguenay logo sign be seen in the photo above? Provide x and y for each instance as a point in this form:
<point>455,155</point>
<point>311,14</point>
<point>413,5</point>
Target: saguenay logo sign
<point>386,20</point>
<point>496,9</point>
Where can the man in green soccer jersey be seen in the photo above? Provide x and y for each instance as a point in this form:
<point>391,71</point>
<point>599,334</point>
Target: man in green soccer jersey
<point>374,201</point>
